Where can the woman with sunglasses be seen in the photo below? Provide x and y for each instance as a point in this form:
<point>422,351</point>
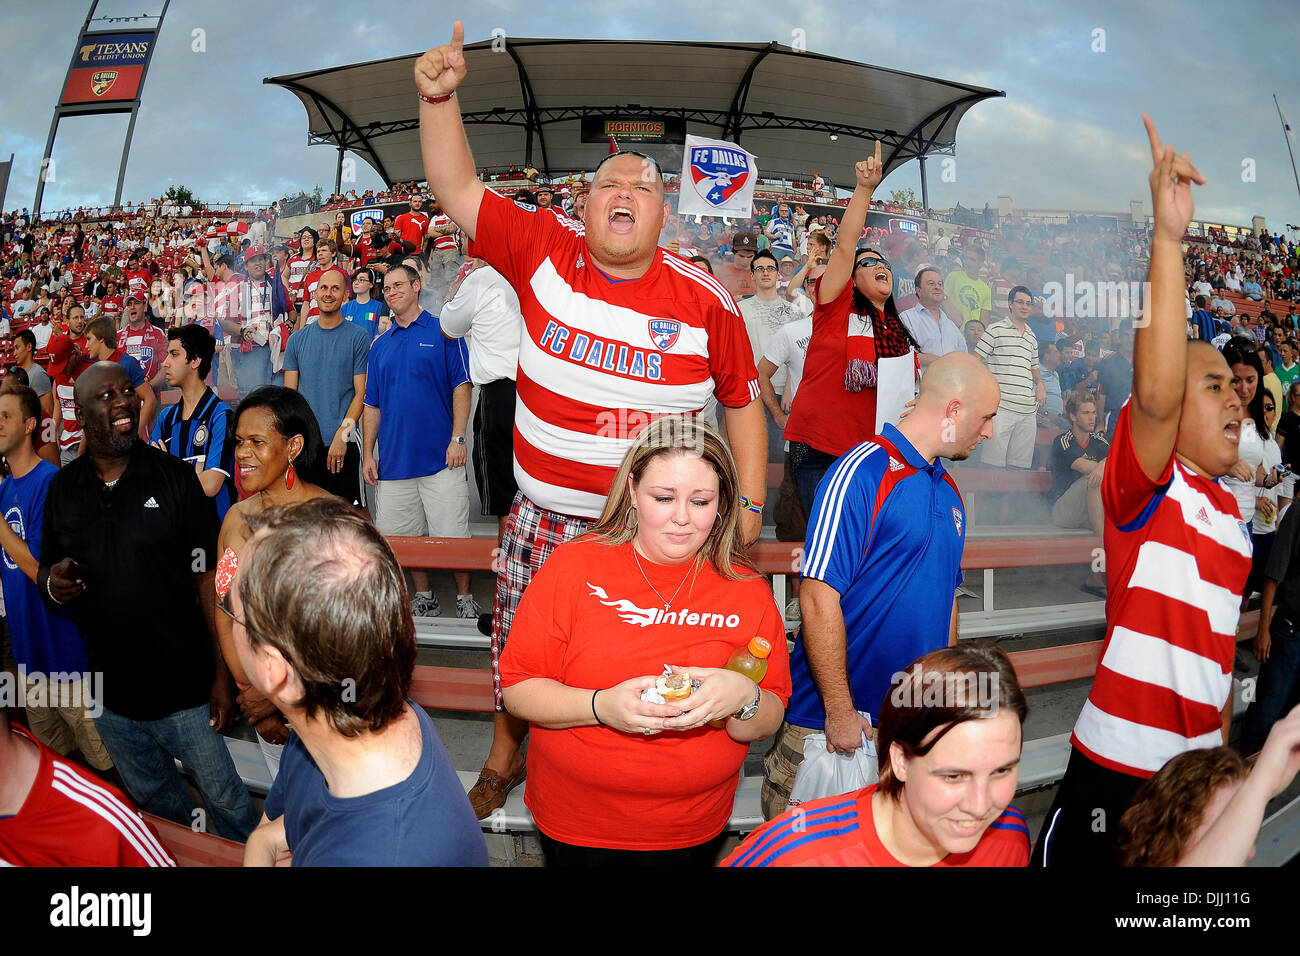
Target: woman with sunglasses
<point>278,459</point>
<point>857,334</point>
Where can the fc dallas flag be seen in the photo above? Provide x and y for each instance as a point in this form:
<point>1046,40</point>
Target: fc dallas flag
<point>717,179</point>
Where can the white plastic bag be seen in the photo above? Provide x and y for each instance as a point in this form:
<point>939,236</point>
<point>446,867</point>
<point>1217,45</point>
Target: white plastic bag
<point>826,774</point>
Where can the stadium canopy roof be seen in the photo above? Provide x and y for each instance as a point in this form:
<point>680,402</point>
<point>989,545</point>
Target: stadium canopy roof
<point>525,100</point>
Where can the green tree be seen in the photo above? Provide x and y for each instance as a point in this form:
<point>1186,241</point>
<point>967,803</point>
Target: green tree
<point>902,197</point>
<point>181,195</point>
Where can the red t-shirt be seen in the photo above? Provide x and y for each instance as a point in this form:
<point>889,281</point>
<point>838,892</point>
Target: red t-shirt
<point>363,252</point>
<point>841,831</point>
<point>73,818</point>
<point>1177,558</point>
<point>825,415</point>
<point>412,226</point>
<point>601,356</point>
<point>589,619</point>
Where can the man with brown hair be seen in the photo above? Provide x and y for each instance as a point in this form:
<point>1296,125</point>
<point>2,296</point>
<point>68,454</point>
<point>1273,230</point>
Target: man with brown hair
<point>318,605</point>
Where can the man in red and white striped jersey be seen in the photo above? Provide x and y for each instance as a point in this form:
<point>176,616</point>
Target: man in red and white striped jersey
<point>1177,558</point>
<point>617,330</point>
<point>55,813</point>
<point>444,260</point>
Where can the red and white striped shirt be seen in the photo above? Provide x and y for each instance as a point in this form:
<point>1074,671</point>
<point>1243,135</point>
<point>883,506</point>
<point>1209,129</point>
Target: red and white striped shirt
<point>601,355</point>
<point>298,269</point>
<point>72,818</point>
<point>442,221</point>
<point>1177,558</point>
<point>148,346</point>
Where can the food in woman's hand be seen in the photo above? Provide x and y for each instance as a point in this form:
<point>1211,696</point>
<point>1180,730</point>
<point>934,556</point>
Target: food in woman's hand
<point>673,687</point>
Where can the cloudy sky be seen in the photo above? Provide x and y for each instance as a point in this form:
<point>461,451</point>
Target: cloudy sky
<point>1068,133</point>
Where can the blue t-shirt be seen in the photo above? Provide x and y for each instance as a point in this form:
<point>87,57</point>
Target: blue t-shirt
<point>206,436</point>
<point>44,640</point>
<point>365,315</point>
<point>413,372</point>
<point>425,820</point>
<point>134,371</point>
<point>326,360</point>
<point>886,531</point>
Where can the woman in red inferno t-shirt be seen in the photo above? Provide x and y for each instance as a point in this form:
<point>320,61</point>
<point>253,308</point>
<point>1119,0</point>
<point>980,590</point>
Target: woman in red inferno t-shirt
<point>660,580</point>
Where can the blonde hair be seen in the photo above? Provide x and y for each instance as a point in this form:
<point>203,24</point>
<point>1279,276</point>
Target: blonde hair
<point>672,435</point>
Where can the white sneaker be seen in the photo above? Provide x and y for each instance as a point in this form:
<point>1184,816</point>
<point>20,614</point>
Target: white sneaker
<point>792,610</point>
<point>425,605</point>
<point>467,607</point>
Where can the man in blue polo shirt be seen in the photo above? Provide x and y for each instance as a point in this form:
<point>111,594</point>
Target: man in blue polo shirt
<point>417,406</point>
<point>881,566</point>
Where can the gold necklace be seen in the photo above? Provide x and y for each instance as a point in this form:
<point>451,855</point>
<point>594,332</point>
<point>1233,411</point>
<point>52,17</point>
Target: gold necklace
<point>667,604</point>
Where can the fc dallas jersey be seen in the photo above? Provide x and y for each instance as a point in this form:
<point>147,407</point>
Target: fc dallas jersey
<point>298,269</point>
<point>412,226</point>
<point>363,252</point>
<point>601,355</point>
<point>111,305</point>
<point>72,818</point>
<point>148,346</point>
<point>1177,558</point>
<point>442,221</point>
<point>841,831</point>
<point>138,282</point>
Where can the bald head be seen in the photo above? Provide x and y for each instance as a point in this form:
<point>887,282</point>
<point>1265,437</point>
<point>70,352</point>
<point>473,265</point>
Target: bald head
<point>957,375</point>
<point>955,407</point>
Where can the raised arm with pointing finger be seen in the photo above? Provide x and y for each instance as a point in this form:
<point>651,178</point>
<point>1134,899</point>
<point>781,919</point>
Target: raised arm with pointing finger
<point>448,164</point>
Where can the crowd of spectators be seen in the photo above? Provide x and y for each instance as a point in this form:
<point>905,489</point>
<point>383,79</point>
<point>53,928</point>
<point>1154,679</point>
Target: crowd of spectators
<point>342,384</point>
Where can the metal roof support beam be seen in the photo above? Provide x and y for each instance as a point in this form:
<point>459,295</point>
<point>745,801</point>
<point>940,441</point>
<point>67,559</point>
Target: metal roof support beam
<point>732,129</point>
<point>530,105</point>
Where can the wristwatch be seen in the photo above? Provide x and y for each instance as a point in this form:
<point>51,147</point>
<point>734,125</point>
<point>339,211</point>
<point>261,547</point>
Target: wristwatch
<point>458,439</point>
<point>750,709</point>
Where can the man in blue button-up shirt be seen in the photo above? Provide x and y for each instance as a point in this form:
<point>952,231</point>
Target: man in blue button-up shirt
<point>881,566</point>
<point>417,406</point>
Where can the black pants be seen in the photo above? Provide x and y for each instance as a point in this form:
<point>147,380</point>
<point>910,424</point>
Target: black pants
<point>346,483</point>
<point>570,855</point>
<point>809,467</point>
<point>1081,827</point>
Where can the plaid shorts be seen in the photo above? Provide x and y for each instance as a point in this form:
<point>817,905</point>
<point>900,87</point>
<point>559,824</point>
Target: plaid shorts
<point>532,533</point>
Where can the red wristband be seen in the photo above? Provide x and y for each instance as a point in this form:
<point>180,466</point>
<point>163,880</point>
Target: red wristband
<point>434,99</point>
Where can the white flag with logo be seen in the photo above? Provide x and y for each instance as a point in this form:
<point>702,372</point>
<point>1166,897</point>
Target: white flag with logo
<point>717,179</point>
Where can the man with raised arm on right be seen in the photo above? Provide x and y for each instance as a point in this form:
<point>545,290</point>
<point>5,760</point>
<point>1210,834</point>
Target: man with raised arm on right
<point>1177,557</point>
<point>616,330</point>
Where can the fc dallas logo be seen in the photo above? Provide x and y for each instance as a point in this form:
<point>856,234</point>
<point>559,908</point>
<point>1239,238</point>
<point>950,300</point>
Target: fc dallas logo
<point>101,81</point>
<point>718,173</point>
<point>663,333</point>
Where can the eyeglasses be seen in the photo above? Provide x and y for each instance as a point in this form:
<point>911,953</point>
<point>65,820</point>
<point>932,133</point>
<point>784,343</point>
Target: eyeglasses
<point>766,269</point>
<point>871,260</point>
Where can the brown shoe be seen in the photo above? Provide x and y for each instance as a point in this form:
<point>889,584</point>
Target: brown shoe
<point>491,790</point>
